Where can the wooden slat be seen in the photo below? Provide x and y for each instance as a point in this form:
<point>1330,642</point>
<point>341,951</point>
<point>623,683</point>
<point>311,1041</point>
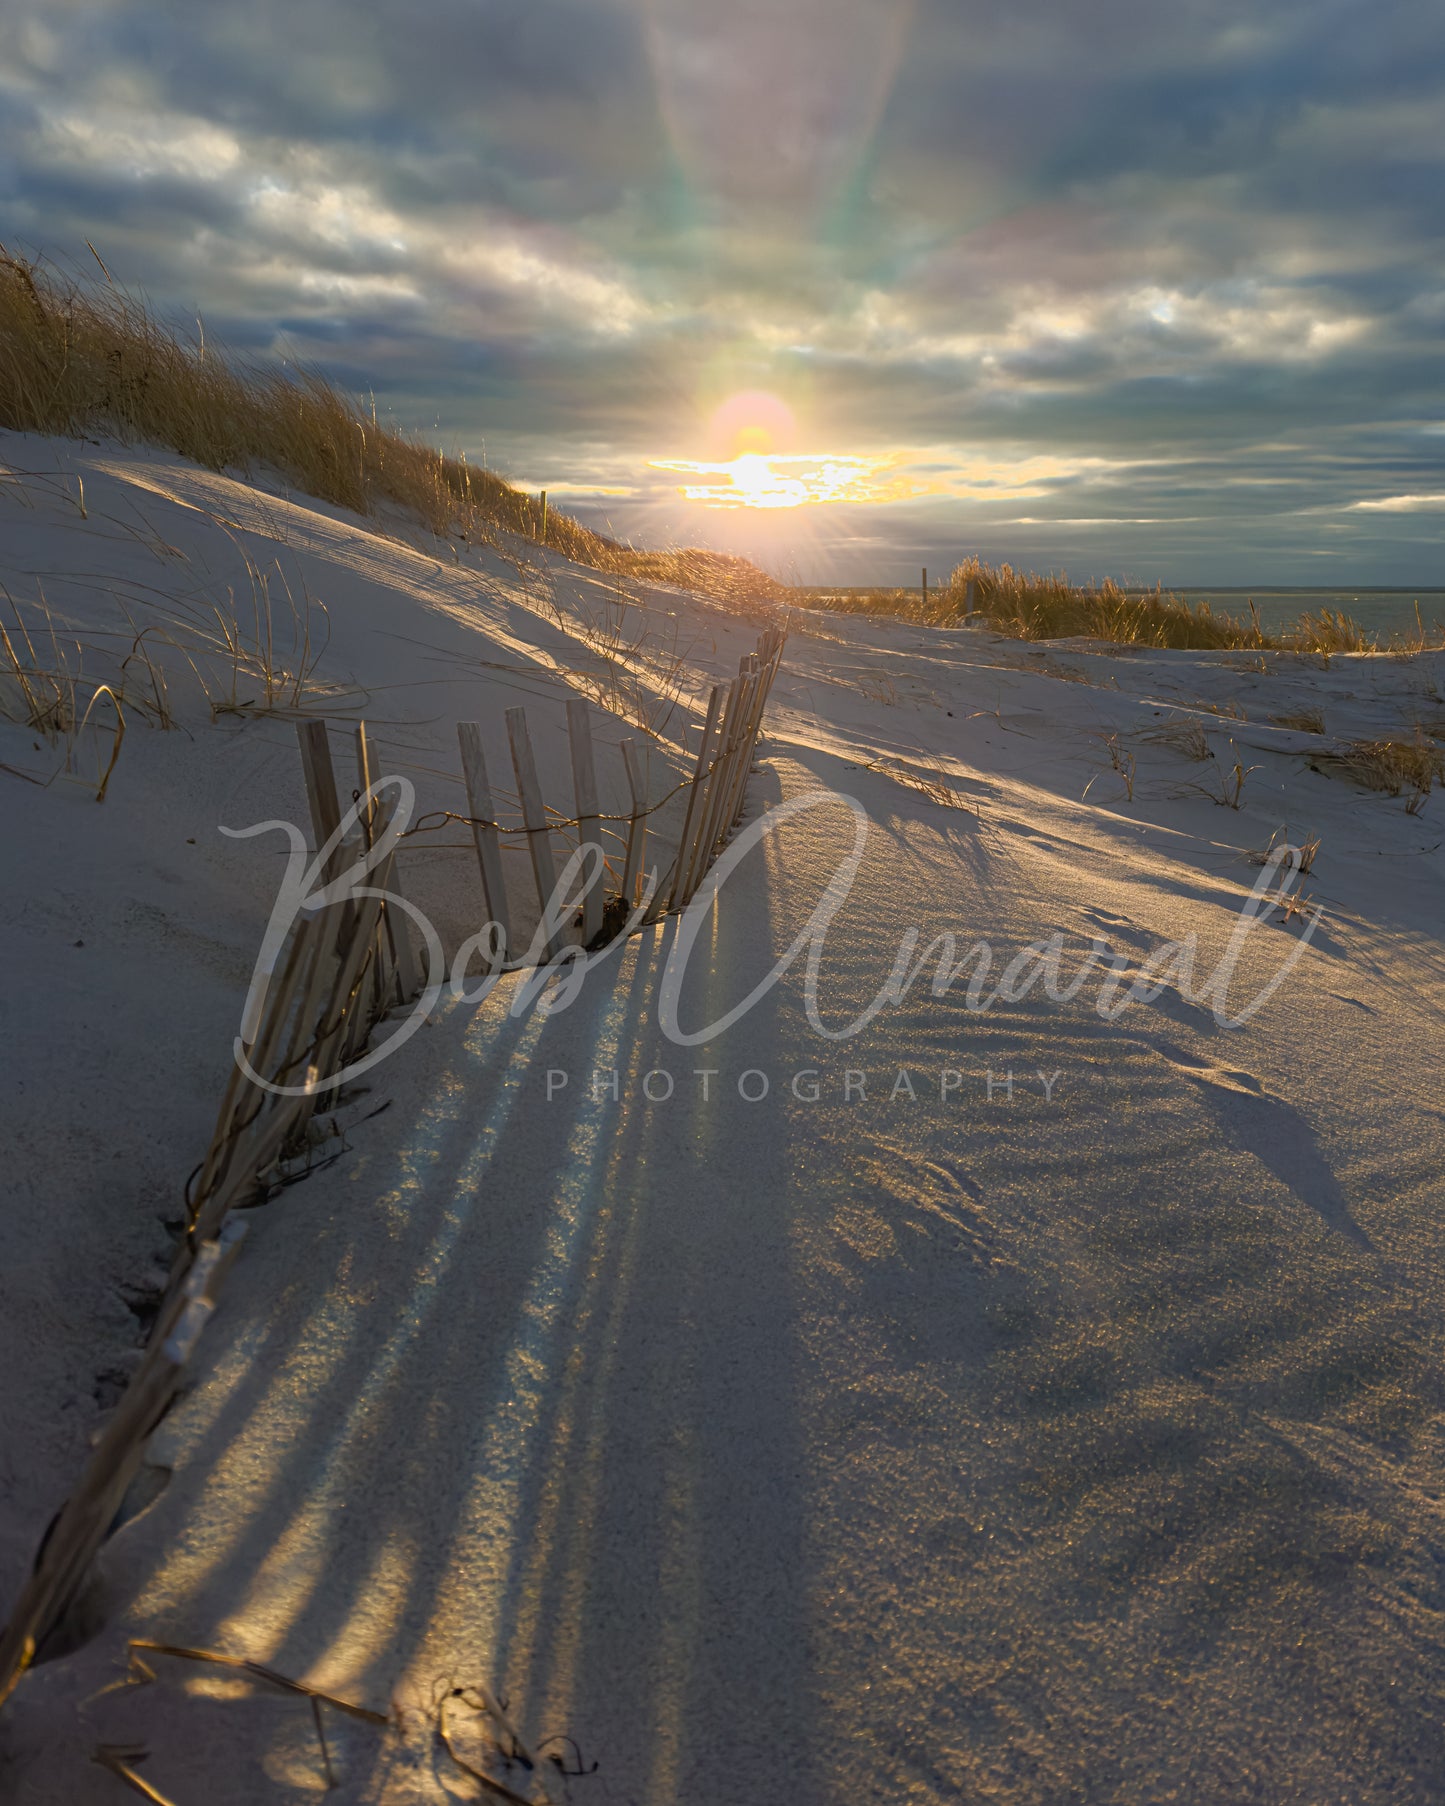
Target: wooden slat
<point>637,760</point>
<point>320,789</point>
<point>483,812</point>
<point>700,857</point>
<point>743,768</point>
<point>343,1010</point>
<point>346,1016</point>
<point>398,932</point>
<point>397,975</point>
<point>322,796</point>
<point>77,1533</point>
<point>757,680</point>
<point>379,969</point>
<point>584,799</point>
<point>255,1152</point>
<point>725,782</point>
<point>365,778</point>
<point>319,984</point>
<point>694,798</point>
<point>534,818</point>
<point>765,665</point>
<point>70,1546</point>
<point>241,1100</point>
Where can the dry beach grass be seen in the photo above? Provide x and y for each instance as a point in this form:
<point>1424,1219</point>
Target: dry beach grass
<point>82,357</point>
<point>1028,606</point>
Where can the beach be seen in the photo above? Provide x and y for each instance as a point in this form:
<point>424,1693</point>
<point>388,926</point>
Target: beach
<point>800,1367</point>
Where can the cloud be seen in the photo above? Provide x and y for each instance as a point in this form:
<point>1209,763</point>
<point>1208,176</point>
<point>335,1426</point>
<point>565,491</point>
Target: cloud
<point>1405,504</point>
<point>1165,280</point>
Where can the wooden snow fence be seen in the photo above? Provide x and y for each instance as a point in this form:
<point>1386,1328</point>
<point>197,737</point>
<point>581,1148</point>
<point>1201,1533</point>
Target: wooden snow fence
<point>341,968</point>
<point>715,787</point>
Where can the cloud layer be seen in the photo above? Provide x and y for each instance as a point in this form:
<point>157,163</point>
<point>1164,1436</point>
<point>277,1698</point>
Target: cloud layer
<point>1128,288</point>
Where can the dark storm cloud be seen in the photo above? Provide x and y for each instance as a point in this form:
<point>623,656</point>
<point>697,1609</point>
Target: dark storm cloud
<point>1177,271</point>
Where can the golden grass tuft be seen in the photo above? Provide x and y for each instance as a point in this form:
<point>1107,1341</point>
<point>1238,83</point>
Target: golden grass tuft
<point>1303,721</point>
<point>934,785</point>
<point>1182,736</point>
<point>79,357</point>
<point>1393,766</point>
<point>1330,631</point>
<point>1030,607</point>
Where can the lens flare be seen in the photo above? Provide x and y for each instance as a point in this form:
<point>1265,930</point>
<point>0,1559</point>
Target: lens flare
<point>774,108</point>
<point>753,480</point>
<point>752,422</point>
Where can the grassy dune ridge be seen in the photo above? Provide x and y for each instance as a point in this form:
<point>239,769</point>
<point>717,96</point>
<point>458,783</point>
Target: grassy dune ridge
<point>1030,607</point>
<point>81,357</point>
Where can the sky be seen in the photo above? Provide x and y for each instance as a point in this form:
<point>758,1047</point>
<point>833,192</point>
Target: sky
<point>853,286</point>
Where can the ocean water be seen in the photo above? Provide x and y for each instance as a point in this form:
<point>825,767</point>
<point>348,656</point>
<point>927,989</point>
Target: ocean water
<point>1378,611</point>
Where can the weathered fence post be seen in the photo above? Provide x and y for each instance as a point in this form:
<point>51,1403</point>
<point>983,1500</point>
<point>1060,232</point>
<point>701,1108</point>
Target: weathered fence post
<point>396,971</point>
<point>321,794</point>
<point>700,853</point>
<point>584,800</point>
<point>737,777</point>
<point>534,819</point>
<point>694,797</point>
<point>635,754</point>
<point>482,811</point>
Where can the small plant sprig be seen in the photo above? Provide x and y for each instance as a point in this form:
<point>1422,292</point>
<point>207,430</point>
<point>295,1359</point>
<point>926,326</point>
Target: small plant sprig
<point>1228,789</point>
<point>1292,862</point>
<point>1303,721</point>
<point>1304,851</point>
<point>1393,766</point>
<point>932,784</point>
<point>1122,761</point>
<point>1185,736</point>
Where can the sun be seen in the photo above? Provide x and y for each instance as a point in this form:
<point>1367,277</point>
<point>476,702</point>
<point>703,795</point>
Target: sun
<point>755,462</point>
<point>752,476</point>
<point>759,485</point>
<point>751,423</point>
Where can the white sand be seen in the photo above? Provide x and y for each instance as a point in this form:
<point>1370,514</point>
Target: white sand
<point>1083,1449</point>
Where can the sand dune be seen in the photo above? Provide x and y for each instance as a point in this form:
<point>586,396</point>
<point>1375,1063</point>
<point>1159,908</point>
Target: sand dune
<point>1048,1409</point>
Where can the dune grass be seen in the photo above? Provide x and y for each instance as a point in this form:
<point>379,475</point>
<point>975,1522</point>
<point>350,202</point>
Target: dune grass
<point>1031,607</point>
<point>80,357</point>
<point>1393,766</point>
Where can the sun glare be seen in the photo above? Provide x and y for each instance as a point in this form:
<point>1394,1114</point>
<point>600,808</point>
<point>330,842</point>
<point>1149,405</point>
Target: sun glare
<point>752,436</point>
<point>753,422</point>
<point>754,481</point>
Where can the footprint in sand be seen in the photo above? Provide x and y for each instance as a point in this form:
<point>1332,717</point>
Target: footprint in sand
<point>1274,1132</point>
